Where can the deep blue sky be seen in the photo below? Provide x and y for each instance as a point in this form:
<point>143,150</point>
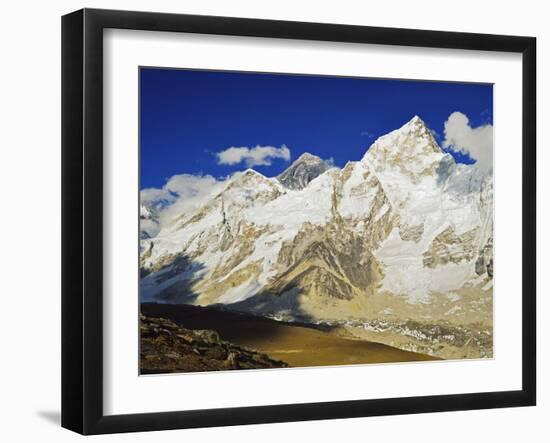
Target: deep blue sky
<point>188,115</point>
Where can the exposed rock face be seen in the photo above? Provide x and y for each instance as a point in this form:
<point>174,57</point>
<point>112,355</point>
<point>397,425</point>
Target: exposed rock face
<point>410,150</point>
<point>386,238</point>
<point>302,171</point>
<point>166,347</point>
<point>447,340</point>
<point>484,263</point>
<point>448,247</point>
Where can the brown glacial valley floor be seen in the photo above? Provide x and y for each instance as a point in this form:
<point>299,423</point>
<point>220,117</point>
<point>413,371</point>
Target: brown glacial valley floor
<point>297,345</point>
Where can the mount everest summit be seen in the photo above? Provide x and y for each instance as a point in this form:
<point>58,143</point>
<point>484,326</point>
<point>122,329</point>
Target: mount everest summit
<point>396,247</point>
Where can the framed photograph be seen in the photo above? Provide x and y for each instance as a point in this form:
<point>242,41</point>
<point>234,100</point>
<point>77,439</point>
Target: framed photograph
<point>269,221</point>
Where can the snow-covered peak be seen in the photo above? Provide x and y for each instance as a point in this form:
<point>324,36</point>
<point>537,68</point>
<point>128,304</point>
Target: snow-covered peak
<point>302,171</point>
<point>410,150</point>
<point>246,178</point>
<point>413,138</point>
<point>252,172</point>
<point>250,188</point>
<point>307,157</point>
<point>414,123</point>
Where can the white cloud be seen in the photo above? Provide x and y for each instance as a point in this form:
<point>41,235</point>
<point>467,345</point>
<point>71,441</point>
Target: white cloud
<point>184,193</point>
<point>189,185</point>
<point>156,196</point>
<point>181,194</point>
<point>476,142</point>
<point>257,156</point>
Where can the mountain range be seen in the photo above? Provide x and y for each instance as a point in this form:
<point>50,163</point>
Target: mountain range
<point>396,247</point>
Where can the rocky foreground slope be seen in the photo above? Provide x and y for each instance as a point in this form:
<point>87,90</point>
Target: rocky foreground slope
<point>397,247</point>
<point>166,347</point>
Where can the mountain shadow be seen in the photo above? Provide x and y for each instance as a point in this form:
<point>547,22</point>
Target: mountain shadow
<point>233,326</point>
<point>286,344</point>
<point>172,282</point>
<point>444,170</point>
<point>242,322</point>
<point>285,307</point>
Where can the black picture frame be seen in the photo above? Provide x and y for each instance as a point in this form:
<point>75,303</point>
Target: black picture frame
<point>82,218</point>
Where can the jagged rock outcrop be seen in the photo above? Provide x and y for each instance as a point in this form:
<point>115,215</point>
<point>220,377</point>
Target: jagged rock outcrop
<point>166,347</point>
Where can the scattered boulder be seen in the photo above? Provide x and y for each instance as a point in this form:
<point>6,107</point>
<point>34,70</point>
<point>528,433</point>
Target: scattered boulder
<point>167,348</point>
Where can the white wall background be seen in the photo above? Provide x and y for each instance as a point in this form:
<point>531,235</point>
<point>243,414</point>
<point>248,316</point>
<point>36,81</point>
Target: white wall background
<point>30,218</point>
